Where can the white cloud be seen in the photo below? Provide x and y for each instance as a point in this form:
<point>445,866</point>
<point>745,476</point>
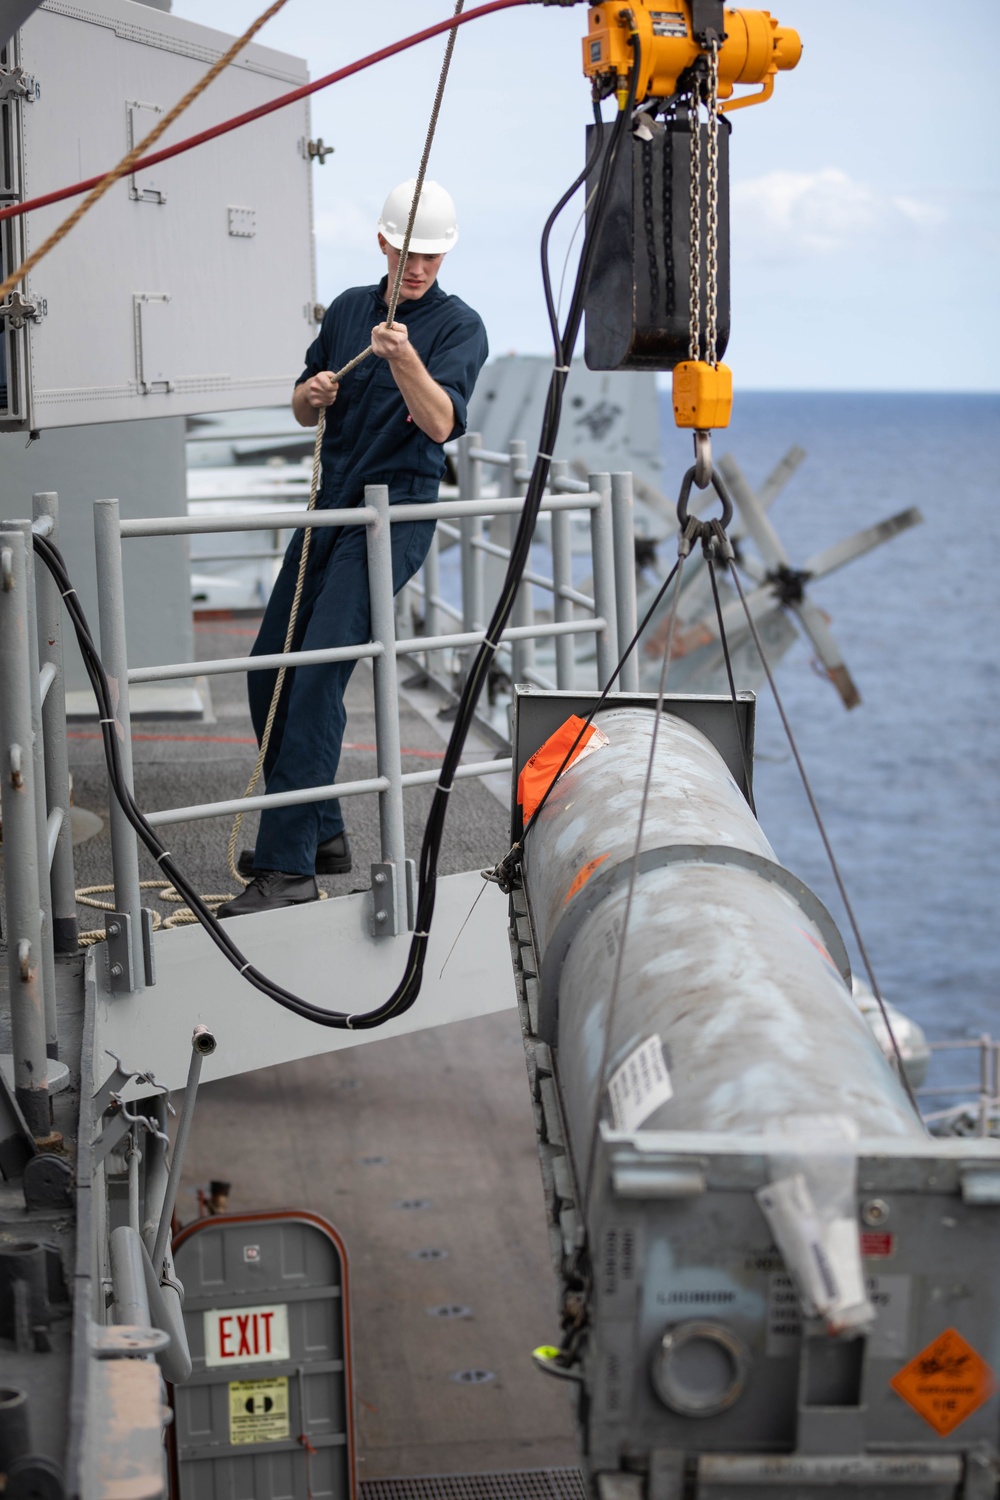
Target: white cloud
<point>791,215</point>
<point>928,215</point>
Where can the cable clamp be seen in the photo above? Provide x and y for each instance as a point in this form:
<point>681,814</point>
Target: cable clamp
<point>107,721</point>
<point>421,934</point>
<point>166,853</point>
<point>561,369</point>
<point>493,645</point>
<point>245,967</point>
<point>66,593</point>
<point>546,456</point>
<point>443,789</point>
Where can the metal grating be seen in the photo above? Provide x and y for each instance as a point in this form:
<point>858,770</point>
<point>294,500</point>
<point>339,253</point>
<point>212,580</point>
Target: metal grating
<point>512,1484</point>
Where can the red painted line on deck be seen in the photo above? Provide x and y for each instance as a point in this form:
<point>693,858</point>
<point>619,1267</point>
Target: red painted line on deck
<point>227,629</point>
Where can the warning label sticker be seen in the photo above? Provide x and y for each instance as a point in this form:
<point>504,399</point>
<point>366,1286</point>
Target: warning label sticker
<point>258,1411</point>
<point>946,1382</point>
<point>582,876</point>
<point>640,1085</point>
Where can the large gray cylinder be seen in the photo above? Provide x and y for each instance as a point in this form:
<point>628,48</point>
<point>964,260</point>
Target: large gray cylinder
<point>728,958</point>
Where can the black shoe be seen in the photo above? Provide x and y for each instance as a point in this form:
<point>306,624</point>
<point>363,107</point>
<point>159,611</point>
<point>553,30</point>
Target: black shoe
<point>269,890</point>
<point>332,858</point>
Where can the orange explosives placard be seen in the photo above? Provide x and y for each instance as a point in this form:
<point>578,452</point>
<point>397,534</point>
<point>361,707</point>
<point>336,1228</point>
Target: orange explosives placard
<point>946,1382</point>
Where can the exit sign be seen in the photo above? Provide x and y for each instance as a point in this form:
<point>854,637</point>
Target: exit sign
<point>246,1335</point>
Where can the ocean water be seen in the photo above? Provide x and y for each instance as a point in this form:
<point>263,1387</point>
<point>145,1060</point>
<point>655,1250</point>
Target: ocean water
<point>909,782</point>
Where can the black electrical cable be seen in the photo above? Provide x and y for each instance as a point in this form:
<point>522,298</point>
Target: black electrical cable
<point>409,987</point>
<point>549,223</point>
<point>520,549</point>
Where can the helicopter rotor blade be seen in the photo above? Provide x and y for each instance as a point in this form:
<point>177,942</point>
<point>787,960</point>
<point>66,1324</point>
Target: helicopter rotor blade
<point>814,626</point>
<point>753,516</point>
<point>779,476</point>
<point>841,553</point>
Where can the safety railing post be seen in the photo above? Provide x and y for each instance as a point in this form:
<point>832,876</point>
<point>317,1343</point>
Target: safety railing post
<point>602,549</point>
<point>124,925</point>
<point>623,527</point>
<point>523,613</point>
<point>62,877</point>
<point>470,483</point>
<point>390,879</point>
<point>562,577</point>
<point>432,593</point>
<point>22,856</point>
<point>47,957</point>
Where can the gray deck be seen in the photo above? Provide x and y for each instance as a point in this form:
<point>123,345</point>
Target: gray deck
<point>441,1118</point>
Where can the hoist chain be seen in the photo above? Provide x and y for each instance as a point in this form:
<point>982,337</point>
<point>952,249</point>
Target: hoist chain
<point>646,150</point>
<point>694,270</point>
<point>712,235</point>
<point>668,238</point>
<point>713,203</point>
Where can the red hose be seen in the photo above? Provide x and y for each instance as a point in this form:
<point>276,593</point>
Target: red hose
<point>16,209</point>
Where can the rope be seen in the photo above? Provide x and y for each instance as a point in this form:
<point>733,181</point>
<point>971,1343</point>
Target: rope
<point>293,613</point>
<point>236,122</point>
<point>129,160</point>
<point>183,917</point>
<point>279,683</point>
<point>834,866</point>
<point>418,189</point>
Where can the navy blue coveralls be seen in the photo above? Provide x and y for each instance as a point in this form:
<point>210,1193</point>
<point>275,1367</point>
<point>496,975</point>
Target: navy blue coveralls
<point>370,438</point>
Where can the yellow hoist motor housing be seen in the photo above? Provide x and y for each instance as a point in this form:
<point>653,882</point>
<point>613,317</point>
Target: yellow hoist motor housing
<point>755,48</point>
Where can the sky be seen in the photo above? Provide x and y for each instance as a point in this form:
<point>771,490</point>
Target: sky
<point>865,195</point>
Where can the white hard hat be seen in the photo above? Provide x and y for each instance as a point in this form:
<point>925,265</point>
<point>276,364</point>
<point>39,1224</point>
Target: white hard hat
<point>434,228</point>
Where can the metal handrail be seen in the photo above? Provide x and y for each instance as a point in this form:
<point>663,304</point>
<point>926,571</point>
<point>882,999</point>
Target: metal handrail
<point>222,665</point>
<point>359,515</point>
<point>338,789</point>
<point>611,534</point>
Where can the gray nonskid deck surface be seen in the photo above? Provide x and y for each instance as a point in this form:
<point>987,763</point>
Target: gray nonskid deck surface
<point>441,1118</point>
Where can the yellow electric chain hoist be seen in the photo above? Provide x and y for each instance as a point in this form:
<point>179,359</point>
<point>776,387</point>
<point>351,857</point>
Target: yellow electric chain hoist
<point>659,294</point>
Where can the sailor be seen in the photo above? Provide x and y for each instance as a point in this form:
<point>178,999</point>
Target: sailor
<point>384,425</point>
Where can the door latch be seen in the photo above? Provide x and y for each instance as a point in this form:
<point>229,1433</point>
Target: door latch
<point>18,309</point>
<point>316,150</point>
<point>15,83</point>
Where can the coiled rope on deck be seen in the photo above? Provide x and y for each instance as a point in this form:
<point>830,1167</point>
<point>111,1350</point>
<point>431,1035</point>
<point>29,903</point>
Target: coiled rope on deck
<point>168,893</point>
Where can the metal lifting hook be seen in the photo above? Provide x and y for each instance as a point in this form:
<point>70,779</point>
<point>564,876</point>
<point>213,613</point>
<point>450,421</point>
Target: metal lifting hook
<point>702,459</point>
<point>703,529</point>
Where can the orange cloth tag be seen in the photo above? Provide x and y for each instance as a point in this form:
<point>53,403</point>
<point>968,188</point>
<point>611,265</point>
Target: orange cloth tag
<point>543,767</point>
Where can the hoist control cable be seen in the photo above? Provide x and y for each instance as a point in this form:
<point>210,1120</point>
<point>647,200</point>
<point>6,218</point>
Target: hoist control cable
<point>408,988</point>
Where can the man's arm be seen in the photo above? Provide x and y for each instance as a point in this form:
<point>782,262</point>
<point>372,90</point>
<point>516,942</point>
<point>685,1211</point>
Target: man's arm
<point>428,403</point>
<point>320,390</point>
